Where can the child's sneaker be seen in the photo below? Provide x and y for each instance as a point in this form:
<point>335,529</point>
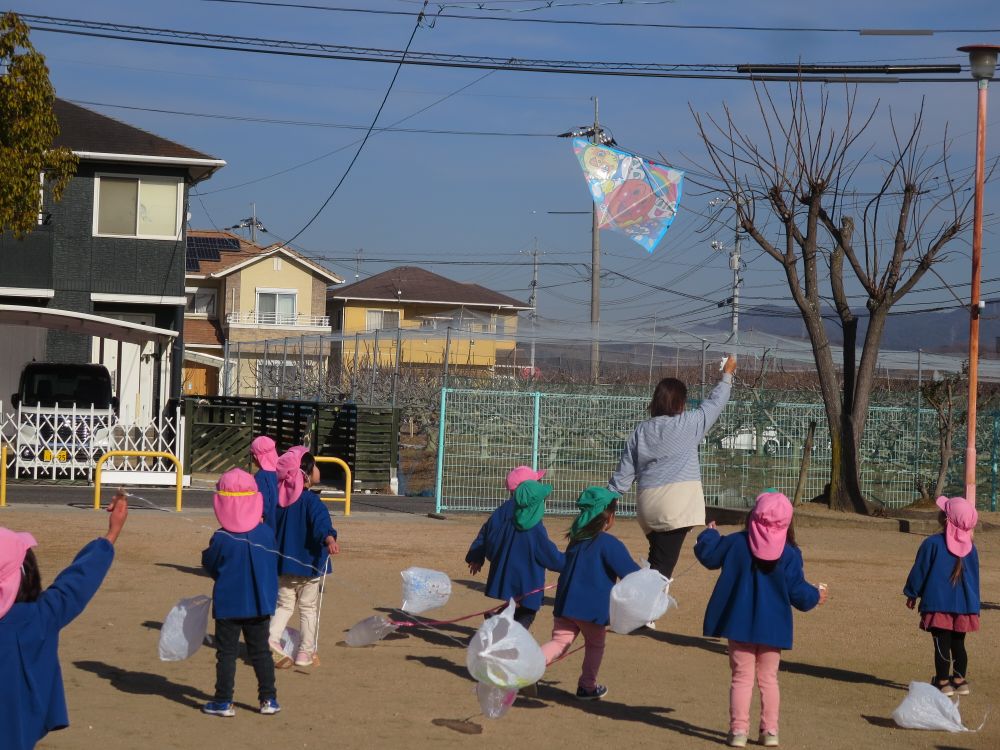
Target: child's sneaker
<point>769,739</point>
<point>219,708</point>
<point>736,740</point>
<point>591,695</point>
<point>306,659</point>
<point>961,688</point>
<point>944,687</point>
<point>269,706</point>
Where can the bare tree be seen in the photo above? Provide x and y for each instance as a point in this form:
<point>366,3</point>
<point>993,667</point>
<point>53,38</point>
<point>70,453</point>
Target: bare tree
<point>793,187</point>
<point>944,396</point>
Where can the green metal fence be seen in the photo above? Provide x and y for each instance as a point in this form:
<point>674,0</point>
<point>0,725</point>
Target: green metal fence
<point>756,443</point>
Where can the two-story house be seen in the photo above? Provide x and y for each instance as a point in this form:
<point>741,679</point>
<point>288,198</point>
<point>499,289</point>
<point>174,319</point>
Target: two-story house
<point>426,305</point>
<point>101,279</point>
<point>251,299</point>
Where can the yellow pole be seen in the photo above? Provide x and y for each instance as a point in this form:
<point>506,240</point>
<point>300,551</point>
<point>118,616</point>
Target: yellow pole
<point>3,476</point>
<point>141,454</point>
<point>348,483</point>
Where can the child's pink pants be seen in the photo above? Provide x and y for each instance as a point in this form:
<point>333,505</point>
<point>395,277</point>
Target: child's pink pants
<point>564,632</point>
<point>747,660</point>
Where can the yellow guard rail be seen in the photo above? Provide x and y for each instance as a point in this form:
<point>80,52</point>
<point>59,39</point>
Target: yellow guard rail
<point>347,486</point>
<point>140,454</point>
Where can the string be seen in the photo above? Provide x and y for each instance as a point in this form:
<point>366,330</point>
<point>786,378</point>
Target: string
<point>490,611</point>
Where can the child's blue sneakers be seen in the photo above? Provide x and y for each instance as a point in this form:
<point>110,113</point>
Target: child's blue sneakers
<point>219,708</point>
<point>269,706</point>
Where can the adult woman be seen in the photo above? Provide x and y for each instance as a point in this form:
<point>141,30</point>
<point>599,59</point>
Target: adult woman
<point>662,457</point>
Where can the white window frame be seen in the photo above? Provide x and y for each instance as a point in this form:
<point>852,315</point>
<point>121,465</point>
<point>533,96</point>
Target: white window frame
<point>274,290</point>
<point>381,312</point>
<point>195,290</point>
<point>138,198</point>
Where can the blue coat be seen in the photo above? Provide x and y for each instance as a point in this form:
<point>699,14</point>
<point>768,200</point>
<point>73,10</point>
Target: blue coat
<point>245,573</point>
<point>518,559</point>
<point>34,702</point>
<point>749,605</point>
<point>301,529</point>
<point>930,579</point>
<point>267,483</point>
<point>593,566</point>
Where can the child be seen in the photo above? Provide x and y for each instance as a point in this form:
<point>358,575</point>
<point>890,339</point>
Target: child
<point>761,580</point>
<point>945,577</point>
<point>265,457</point>
<point>241,559</point>
<point>519,550</point>
<point>34,702</point>
<point>595,560</point>
<point>305,533</point>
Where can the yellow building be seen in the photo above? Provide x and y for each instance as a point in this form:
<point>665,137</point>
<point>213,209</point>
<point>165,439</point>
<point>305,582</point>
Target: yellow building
<point>240,292</point>
<point>432,314</point>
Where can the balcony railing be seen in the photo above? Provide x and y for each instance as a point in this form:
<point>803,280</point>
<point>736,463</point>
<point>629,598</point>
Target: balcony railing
<point>285,320</point>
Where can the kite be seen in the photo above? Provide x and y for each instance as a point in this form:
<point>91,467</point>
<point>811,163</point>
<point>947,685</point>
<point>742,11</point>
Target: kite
<point>634,196</point>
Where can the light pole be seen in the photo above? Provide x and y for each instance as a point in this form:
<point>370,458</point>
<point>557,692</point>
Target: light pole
<point>983,62</point>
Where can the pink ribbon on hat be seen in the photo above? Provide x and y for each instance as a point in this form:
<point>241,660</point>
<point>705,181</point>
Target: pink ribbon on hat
<point>14,545</point>
<point>237,502</point>
<point>291,481</point>
<point>962,519</point>
<point>265,451</point>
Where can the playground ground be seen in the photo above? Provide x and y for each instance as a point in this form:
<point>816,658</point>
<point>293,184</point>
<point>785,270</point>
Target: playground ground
<point>849,669</point>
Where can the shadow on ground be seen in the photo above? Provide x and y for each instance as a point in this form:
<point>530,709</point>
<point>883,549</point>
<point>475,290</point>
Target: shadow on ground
<point>145,683</point>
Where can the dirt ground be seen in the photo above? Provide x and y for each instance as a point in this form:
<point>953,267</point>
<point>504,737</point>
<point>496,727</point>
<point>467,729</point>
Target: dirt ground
<point>849,669</point>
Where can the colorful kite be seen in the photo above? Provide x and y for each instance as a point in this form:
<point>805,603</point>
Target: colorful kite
<point>636,197</point>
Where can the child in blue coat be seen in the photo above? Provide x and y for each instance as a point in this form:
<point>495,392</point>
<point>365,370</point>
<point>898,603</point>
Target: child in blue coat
<point>519,550</point>
<point>265,457</point>
<point>761,580</point>
<point>241,560</point>
<point>34,702</point>
<point>595,561</point>
<point>306,539</point>
<point>945,578</point>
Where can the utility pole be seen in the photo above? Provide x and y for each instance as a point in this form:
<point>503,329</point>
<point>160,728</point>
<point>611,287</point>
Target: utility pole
<point>595,273</point>
<point>735,265</point>
<point>533,303</point>
<point>253,223</point>
<point>357,263</point>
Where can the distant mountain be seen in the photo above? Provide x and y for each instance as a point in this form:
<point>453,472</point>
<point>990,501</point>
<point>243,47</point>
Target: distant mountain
<point>942,332</point>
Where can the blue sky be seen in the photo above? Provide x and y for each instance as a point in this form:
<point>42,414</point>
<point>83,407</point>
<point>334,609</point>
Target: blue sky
<point>424,197</point>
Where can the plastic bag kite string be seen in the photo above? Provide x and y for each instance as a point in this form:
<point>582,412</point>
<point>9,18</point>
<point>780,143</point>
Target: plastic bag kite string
<point>491,610</point>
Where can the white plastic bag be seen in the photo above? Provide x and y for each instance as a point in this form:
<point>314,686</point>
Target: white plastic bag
<point>370,630</point>
<point>926,707</point>
<point>638,598</point>
<point>424,589</point>
<point>503,654</point>
<point>290,641</point>
<point>493,701</point>
<point>184,628</point>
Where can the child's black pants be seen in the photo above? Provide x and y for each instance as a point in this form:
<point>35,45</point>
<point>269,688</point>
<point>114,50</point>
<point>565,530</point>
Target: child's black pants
<point>949,654</point>
<point>227,642</point>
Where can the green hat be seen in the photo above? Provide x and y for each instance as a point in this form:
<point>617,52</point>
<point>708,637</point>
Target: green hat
<point>592,502</point>
<point>529,503</point>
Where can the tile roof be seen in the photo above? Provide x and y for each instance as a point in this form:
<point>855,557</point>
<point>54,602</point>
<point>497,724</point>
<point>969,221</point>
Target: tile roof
<point>420,285</point>
<point>201,331</point>
<point>229,259</point>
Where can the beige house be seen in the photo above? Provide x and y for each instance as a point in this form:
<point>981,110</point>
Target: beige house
<point>240,292</point>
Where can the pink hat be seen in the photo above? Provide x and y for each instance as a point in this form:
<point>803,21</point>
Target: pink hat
<point>264,450</point>
<point>962,519</point>
<point>291,481</point>
<point>14,546</point>
<point>238,503</point>
<point>520,474</point>
<point>768,527</point>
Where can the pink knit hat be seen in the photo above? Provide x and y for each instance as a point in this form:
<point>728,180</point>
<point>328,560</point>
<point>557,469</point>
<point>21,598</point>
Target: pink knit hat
<point>264,450</point>
<point>522,473</point>
<point>962,519</point>
<point>14,546</point>
<point>768,527</point>
<point>291,481</point>
<point>238,503</point>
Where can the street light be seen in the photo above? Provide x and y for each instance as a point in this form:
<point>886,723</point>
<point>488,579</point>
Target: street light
<point>983,62</point>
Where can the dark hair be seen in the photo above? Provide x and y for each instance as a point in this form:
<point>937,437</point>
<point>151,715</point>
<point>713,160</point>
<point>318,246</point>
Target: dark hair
<point>31,580</point>
<point>308,463</point>
<point>596,525</point>
<point>959,569</point>
<point>668,398</point>
<point>766,566</point>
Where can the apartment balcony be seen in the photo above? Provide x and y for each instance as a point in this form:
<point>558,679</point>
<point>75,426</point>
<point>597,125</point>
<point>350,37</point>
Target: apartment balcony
<point>254,319</point>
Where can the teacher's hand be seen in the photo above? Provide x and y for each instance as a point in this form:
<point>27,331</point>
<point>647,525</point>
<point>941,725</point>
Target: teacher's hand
<point>730,367</point>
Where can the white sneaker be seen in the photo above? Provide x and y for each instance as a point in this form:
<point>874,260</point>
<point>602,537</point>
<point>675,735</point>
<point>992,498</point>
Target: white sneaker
<point>736,740</point>
<point>769,739</point>
<point>651,624</point>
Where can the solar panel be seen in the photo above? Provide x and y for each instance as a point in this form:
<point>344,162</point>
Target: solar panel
<point>192,264</point>
<point>208,248</point>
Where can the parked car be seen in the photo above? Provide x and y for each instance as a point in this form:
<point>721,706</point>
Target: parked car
<point>65,413</point>
<point>745,439</point>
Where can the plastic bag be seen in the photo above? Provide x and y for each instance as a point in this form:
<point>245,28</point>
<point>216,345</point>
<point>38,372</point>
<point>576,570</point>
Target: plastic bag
<point>494,701</point>
<point>290,641</point>
<point>184,628</point>
<point>638,598</point>
<point>503,654</point>
<point>370,630</point>
<point>424,589</point>
<point>926,707</point>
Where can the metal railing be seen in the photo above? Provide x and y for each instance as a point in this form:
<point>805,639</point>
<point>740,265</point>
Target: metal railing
<point>347,482</point>
<point>285,320</point>
<point>139,454</point>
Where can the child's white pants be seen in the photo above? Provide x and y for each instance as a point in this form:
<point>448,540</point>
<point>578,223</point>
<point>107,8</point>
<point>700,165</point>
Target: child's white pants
<point>305,592</point>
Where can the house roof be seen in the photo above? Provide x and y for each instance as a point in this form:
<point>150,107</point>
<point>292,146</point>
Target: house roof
<point>232,253</point>
<point>418,285</point>
<point>204,332</point>
<point>93,136</point>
